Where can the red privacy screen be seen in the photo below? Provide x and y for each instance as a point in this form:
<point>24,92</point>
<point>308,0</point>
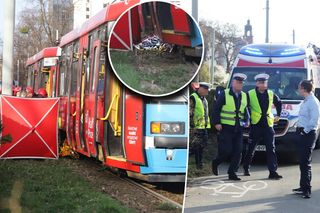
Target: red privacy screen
<point>32,123</point>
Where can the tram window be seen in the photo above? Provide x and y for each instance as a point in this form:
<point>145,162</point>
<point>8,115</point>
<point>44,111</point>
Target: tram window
<point>53,83</point>
<point>33,77</point>
<point>94,74</point>
<point>102,33</point>
<point>62,78</point>
<point>87,67</point>
<point>164,16</point>
<point>69,58</point>
<point>73,78</point>
<point>109,26</point>
<point>87,73</point>
<point>30,76</point>
<point>102,71</point>
<point>44,79</point>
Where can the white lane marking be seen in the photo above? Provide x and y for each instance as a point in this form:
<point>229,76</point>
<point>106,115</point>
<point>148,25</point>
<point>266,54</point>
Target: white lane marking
<point>237,190</point>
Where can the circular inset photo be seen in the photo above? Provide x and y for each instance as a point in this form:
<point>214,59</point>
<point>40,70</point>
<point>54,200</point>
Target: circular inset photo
<point>155,48</point>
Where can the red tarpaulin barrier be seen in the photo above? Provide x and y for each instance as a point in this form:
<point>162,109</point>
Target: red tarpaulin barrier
<point>32,123</point>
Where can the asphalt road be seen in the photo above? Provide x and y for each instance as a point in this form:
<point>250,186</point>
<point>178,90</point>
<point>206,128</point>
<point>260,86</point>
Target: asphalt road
<point>255,193</point>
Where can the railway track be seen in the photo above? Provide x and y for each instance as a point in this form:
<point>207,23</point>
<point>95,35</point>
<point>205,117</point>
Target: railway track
<point>133,193</point>
<point>153,192</point>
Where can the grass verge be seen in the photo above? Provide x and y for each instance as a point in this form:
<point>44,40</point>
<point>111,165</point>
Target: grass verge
<point>151,74</point>
<point>50,186</point>
<point>208,153</point>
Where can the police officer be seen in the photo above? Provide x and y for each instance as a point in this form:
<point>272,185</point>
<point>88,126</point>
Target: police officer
<point>199,122</point>
<point>308,122</point>
<point>228,118</point>
<point>262,119</point>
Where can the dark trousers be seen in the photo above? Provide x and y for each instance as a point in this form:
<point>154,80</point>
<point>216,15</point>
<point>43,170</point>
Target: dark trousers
<point>198,141</point>
<point>265,134</point>
<point>306,144</point>
<point>229,146</point>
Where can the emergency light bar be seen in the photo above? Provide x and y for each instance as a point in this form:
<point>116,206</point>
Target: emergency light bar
<point>272,50</point>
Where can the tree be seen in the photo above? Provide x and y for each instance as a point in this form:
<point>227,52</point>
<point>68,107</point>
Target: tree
<point>228,43</point>
<point>37,26</point>
<point>207,32</point>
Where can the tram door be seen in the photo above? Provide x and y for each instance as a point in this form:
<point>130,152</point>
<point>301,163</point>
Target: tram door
<point>83,75</point>
<point>98,86</point>
<point>90,107</point>
<point>113,118</point>
<point>72,75</point>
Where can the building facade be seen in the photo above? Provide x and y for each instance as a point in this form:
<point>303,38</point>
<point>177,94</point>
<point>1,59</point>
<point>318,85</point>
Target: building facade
<point>85,9</point>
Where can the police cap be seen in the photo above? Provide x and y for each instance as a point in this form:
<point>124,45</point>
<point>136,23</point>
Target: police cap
<point>261,77</point>
<point>239,76</point>
<point>204,85</point>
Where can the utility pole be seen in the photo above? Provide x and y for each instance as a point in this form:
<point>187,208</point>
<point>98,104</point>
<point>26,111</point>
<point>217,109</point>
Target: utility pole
<point>18,71</point>
<point>293,36</point>
<point>194,13</point>
<point>213,62</point>
<point>267,22</point>
<point>8,29</point>
<point>195,10</point>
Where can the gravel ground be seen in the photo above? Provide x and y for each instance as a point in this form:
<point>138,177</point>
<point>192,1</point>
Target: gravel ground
<point>129,195</point>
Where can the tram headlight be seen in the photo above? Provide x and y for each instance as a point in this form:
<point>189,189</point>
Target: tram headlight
<point>170,128</point>
<point>176,128</point>
<point>165,128</point>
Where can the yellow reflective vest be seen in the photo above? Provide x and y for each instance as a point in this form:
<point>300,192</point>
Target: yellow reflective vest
<point>199,117</point>
<point>228,112</point>
<point>255,108</point>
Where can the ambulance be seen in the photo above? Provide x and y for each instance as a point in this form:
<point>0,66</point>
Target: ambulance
<point>286,65</point>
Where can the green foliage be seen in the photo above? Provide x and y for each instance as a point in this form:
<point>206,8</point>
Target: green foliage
<point>166,206</point>
<point>5,138</point>
<point>24,30</point>
<point>204,72</point>
<point>208,153</point>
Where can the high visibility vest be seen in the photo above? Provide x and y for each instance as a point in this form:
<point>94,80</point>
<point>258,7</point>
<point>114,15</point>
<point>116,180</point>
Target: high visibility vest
<point>199,116</point>
<point>255,108</point>
<point>228,112</point>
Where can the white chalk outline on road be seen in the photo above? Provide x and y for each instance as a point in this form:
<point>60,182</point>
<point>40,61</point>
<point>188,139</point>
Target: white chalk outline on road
<point>219,186</point>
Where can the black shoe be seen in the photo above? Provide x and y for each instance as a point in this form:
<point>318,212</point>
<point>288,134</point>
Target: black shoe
<point>306,195</point>
<point>246,172</point>
<point>298,191</point>
<point>274,176</point>
<point>214,168</point>
<point>234,177</point>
